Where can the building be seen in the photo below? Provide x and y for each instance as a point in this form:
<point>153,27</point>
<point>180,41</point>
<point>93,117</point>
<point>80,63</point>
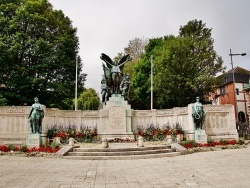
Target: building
<point>246,87</point>
<point>239,97</point>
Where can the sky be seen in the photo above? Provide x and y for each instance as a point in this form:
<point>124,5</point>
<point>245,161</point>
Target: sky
<point>107,26</point>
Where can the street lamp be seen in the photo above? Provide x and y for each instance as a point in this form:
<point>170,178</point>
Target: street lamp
<point>234,89</point>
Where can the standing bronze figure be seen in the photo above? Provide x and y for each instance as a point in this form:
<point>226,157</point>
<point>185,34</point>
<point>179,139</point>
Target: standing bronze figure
<point>35,117</point>
<point>198,114</point>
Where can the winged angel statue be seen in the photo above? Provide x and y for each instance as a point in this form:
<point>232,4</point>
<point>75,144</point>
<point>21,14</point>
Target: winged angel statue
<point>113,76</point>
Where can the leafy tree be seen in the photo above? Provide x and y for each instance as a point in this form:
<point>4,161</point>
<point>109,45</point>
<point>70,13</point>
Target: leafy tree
<point>142,74</point>
<point>38,48</point>
<point>185,66</point>
<point>135,48</point>
<point>88,100</point>
<point>3,101</point>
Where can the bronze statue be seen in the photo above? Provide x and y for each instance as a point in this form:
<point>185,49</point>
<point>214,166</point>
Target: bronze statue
<point>35,117</point>
<point>113,72</point>
<point>125,86</point>
<point>198,114</point>
<point>105,90</point>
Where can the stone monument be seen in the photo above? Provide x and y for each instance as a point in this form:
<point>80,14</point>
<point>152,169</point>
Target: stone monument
<point>116,114</point>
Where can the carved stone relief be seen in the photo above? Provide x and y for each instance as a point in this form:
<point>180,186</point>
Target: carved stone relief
<point>168,112</point>
<point>117,117</point>
<point>15,110</point>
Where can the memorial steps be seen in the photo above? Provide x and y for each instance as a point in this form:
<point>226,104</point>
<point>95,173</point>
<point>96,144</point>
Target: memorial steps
<point>121,152</point>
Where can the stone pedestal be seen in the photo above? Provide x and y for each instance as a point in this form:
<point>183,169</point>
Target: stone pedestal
<point>115,119</point>
<point>189,129</point>
<point>34,140</point>
<point>200,136</point>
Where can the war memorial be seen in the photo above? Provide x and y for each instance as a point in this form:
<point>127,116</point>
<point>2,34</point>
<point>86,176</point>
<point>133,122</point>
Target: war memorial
<point>24,125</point>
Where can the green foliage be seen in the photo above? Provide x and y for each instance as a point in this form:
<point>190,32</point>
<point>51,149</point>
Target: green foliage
<point>38,48</point>
<point>185,66</point>
<point>223,141</point>
<point>11,147</point>
<point>189,143</point>
<point>241,141</point>
<point>3,101</point>
<point>88,100</point>
<point>54,145</point>
<point>135,48</point>
<point>23,148</point>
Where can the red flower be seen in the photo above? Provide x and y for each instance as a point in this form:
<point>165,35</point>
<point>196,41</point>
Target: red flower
<point>166,132</point>
<point>61,134</point>
<point>139,133</point>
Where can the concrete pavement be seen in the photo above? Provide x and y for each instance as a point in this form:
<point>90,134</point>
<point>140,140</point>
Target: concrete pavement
<point>226,168</point>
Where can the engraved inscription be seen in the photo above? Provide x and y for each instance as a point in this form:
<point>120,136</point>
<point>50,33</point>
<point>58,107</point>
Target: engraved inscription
<point>144,113</point>
<point>90,113</point>
<point>15,110</point>
<point>164,112</point>
<point>69,114</point>
<point>117,117</point>
<point>33,141</point>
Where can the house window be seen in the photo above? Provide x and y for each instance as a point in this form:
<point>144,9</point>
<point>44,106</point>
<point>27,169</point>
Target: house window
<point>222,90</point>
<point>225,80</point>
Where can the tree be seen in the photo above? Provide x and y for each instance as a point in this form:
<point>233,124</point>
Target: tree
<point>3,101</point>
<point>135,48</point>
<point>185,66</point>
<point>38,48</point>
<point>88,100</point>
<point>142,80</point>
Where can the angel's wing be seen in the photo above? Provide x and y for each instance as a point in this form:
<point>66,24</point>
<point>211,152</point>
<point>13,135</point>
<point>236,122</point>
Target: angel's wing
<point>107,60</point>
<point>124,59</point>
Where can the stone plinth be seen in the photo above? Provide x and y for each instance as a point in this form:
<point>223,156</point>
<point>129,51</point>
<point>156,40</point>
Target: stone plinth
<point>200,136</point>
<point>33,140</point>
<point>115,119</point>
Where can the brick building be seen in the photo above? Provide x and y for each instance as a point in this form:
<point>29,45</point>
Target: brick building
<point>239,97</point>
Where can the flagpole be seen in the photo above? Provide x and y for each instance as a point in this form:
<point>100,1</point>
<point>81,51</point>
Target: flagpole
<point>151,82</point>
<point>76,84</point>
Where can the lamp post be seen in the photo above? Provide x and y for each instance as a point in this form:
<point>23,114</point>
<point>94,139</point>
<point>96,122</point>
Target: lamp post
<point>234,89</point>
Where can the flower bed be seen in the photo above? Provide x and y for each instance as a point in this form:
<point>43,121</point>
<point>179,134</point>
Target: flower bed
<point>192,144</point>
<point>34,151</point>
<point>154,133</point>
<point>85,134</point>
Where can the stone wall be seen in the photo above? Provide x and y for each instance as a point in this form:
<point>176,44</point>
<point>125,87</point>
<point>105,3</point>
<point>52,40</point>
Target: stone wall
<point>219,120</point>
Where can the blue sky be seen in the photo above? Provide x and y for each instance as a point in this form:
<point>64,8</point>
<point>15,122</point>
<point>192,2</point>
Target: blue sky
<point>106,26</point>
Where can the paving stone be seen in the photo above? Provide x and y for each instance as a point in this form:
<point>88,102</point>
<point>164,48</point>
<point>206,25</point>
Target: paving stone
<point>226,168</point>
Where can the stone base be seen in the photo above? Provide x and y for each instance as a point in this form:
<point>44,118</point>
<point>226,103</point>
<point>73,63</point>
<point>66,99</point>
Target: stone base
<point>200,136</point>
<point>33,140</point>
<point>224,137</point>
<point>190,135</point>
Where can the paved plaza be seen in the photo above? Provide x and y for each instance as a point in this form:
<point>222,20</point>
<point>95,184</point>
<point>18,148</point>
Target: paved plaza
<point>225,168</point>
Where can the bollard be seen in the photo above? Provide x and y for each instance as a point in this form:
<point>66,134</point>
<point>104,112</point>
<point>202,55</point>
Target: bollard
<point>105,143</point>
<point>140,141</point>
<point>71,141</point>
